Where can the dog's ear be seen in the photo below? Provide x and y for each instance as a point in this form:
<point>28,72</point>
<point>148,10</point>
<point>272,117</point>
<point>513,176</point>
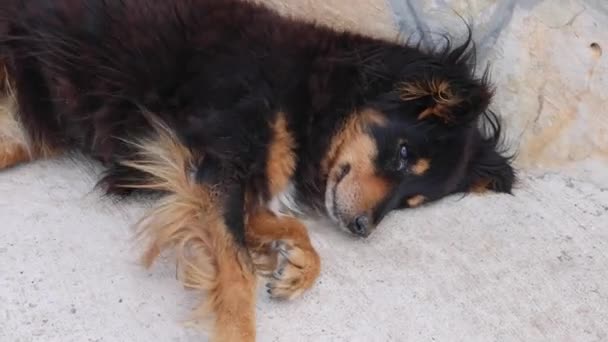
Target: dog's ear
<point>451,101</point>
<point>489,170</point>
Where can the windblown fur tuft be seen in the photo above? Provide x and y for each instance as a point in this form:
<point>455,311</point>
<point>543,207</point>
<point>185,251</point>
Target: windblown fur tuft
<point>182,220</point>
<point>188,222</point>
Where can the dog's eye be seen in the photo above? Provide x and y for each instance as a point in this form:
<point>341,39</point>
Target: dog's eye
<point>403,152</point>
<point>403,155</point>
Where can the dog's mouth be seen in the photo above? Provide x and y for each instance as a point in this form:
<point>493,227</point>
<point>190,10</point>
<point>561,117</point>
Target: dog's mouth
<point>331,201</point>
<point>360,225</point>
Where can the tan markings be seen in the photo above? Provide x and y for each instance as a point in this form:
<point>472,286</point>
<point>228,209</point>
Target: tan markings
<point>12,154</point>
<point>353,127</point>
<point>421,166</point>
<point>283,250</point>
<point>281,161</point>
<point>233,298</point>
<point>350,129</point>
<point>373,190</point>
<point>361,189</point>
<point>15,146</point>
<point>189,222</point>
<point>480,186</point>
<point>372,116</point>
<point>439,110</point>
<point>439,90</point>
<point>415,201</point>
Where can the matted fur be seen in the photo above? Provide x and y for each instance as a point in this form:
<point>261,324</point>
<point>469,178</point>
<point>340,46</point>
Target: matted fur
<point>188,221</point>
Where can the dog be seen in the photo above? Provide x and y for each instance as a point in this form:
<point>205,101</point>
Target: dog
<point>242,121</point>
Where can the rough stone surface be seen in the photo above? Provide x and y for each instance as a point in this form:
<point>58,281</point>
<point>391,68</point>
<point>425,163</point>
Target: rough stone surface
<point>365,16</point>
<point>528,267</point>
<point>549,60</point>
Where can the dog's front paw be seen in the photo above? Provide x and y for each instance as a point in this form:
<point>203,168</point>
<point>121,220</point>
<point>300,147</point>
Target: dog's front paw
<point>296,270</point>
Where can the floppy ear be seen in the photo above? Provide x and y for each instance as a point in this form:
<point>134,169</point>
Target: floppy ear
<point>490,170</point>
<point>449,101</point>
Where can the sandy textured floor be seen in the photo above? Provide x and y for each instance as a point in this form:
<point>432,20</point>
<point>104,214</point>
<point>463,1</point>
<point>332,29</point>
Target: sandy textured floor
<point>529,267</point>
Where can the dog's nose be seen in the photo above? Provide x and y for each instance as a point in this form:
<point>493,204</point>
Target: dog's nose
<point>361,226</point>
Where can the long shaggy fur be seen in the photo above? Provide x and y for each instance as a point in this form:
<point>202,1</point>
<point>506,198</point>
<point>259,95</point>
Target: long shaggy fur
<point>11,128</point>
<point>188,221</point>
<point>14,143</point>
<point>186,216</point>
<point>226,108</point>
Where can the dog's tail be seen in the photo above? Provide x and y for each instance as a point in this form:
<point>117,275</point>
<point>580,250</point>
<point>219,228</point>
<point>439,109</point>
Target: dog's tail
<point>189,222</point>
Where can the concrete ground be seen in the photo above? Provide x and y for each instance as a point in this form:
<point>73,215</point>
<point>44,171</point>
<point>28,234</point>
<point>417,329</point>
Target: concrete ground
<point>528,267</point>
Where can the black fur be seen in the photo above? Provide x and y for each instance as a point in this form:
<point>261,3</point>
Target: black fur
<point>218,71</point>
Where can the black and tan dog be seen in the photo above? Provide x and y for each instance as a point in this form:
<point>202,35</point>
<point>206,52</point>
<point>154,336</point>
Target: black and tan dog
<point>234,113</point>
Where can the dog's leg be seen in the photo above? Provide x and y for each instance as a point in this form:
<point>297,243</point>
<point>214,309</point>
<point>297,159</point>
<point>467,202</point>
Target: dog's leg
<point>232,298</point>
<point>282,245</point>
<point>208,259</point>
<point>192,221</point>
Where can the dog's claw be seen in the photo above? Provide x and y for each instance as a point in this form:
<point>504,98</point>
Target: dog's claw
<point>296,271</point>
<point>278,273</point>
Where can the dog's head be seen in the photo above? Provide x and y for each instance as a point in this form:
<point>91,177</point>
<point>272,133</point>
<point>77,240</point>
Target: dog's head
<point>421,136</point>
